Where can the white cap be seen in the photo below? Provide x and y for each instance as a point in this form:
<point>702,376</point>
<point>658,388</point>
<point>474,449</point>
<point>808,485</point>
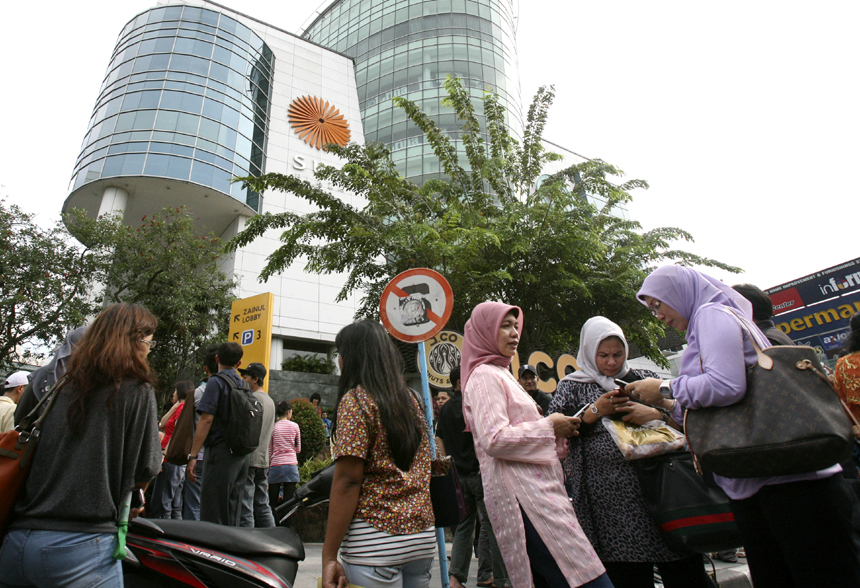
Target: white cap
<point>17,379</point>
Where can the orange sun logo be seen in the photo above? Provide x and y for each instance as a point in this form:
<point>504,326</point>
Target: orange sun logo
<point>317,122</point>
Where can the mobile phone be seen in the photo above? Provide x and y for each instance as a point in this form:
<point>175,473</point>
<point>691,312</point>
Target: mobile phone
<point>577,414</point>
<point>580,411</point>
<point>137,499</point>
<point>620,383</point>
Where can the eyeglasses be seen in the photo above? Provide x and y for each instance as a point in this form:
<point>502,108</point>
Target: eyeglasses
<point>151,343</point>
<point>654,307</point>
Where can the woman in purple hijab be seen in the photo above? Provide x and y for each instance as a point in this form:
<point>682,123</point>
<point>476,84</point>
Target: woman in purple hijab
<point>796,529</point>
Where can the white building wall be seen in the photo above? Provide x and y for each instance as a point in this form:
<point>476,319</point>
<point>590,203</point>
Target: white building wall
<point>305,306</point>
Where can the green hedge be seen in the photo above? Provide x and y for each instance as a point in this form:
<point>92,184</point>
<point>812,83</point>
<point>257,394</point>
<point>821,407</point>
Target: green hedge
<point>311,426</point>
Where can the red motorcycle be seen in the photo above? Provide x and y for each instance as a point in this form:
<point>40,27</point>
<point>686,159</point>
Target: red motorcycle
<point>176,553</point>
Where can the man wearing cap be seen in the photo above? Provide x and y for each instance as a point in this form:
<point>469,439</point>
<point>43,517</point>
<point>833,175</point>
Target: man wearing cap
<point>256,511</point>
<point>528,380</point>
<point>15,385</point>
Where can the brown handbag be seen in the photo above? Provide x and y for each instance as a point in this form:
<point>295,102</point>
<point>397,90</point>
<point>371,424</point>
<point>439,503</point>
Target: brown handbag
<point>180,442</point>
<point>17,448</point>
<point>790,421</point>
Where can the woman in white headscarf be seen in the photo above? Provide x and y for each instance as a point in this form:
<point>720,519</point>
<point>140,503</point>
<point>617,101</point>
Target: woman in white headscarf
<point>602,484</point>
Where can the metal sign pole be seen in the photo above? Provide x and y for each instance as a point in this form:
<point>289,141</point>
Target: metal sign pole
<point>428,414</point>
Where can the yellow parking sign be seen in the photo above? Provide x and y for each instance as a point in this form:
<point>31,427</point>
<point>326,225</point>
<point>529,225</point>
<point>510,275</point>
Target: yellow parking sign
<point>251,327</point>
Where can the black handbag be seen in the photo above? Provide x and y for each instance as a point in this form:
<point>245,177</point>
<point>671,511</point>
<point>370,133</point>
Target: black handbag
<point>790,421</point>
<point>690,515</point>
<point>449,506</point>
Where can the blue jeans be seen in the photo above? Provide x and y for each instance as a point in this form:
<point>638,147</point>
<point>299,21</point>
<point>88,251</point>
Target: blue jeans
<point>167,492</point>
<point>256,511</point>
<point>191,495</point>
<point>413,574</point>
<point>54,558</point>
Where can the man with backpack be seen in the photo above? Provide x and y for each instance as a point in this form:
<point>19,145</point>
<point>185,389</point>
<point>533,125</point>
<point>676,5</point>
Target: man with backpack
<point>229,429</point>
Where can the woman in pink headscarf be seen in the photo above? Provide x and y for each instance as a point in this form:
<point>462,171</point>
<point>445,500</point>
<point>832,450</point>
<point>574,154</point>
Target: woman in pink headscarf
<point>796,529</point>
<point>518,450</point>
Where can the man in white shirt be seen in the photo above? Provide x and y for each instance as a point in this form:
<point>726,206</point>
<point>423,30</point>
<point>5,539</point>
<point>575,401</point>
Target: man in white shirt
<point>15,385</point>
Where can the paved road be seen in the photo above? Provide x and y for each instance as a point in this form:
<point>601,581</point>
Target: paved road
<point>728,575</point>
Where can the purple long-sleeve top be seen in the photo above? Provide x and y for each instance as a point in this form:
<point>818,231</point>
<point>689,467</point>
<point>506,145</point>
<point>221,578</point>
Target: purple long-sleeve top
<point>714,339</point>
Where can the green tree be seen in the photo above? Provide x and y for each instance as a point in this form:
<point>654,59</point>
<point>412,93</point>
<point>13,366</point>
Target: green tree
<point>488,228</point>
<point>166,265</point>
<point>44,283</point>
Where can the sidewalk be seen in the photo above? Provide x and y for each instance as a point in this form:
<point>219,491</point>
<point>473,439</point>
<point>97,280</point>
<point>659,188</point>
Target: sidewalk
<point>729,575</point>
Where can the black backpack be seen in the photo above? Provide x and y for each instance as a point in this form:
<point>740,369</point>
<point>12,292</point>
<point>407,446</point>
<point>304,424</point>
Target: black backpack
<point>244,419</point>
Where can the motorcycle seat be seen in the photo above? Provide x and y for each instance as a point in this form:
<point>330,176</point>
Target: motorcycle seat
<point>243,541</point>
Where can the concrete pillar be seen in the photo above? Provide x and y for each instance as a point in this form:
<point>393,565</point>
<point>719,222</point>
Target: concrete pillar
<point>277,355</point>
<point>114,201</point>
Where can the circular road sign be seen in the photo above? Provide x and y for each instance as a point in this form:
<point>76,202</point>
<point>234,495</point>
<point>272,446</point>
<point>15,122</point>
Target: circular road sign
<point>416,304</point>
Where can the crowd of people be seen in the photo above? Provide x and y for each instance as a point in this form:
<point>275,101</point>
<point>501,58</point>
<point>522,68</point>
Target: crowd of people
<point>550,499</point>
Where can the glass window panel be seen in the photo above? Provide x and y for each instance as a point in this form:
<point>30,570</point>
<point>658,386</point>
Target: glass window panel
<point>125,121</point>
<point>191,103</point>
<point>212,109</point>
<point>227,137</point>
<point>187,123</point>
<point>166,120</point>
<point>221,54</point>
<point>132,164</point>
<point>171,100</point>
<point>202,173</point>
<point>221,180</point>
<point>113,166</point>
<point>159,62</point>
<point>204,156</point>
<point>178,167</point>
<point>131,101</point>
<point>147,47</point>
<point>156,165</point>
<point>209,129</point>
<point>149,99</point>
<point>180,62</point>
<point>209,17</point>
<point>230,117</point>
<point>164,44</point>
<point>183,45</point>
<point>243,146</point>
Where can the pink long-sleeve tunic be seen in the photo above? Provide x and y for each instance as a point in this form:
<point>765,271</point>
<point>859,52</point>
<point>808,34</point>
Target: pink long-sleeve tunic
<point>519,457</point>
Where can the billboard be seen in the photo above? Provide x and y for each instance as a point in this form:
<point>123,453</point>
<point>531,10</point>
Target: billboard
<point>834,281</point>
<point>823,326</point>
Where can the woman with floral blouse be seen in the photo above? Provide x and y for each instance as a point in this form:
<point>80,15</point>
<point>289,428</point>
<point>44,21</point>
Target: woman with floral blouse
<point>380,515</point>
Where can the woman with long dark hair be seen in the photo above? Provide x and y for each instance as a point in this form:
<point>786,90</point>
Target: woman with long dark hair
<point>166,501</point>
<point>380,515</point>
<point>98,443</point>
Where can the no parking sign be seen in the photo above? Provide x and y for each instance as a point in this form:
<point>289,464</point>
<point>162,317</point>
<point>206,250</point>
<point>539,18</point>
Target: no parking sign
<point>416,304</point>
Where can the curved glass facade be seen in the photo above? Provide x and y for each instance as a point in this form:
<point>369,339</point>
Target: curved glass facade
<point>186,96</point>
<point>407,48</point>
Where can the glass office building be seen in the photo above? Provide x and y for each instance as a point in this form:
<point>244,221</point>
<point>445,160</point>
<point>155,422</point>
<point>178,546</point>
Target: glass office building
<point>407,48</point>
<point>186,97</point>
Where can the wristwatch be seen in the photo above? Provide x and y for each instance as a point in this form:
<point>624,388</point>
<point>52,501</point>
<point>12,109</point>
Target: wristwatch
<point>593,408</point>
<point>666,389</point>
<point>191,456</point>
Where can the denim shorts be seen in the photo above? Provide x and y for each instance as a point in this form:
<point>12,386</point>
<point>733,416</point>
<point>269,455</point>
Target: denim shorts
<point>283,474</point>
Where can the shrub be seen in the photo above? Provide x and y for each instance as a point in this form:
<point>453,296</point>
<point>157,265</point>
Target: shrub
<point>313,365</point>
<point>312,429</point>
<point>308,469</point>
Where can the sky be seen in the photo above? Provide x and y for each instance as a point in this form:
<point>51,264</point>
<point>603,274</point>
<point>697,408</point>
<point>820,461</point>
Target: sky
<point>742,116</point>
